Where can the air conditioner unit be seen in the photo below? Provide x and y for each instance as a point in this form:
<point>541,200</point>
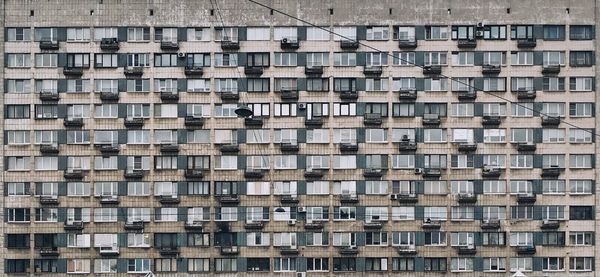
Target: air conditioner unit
<point>284,40</point>
<point>301,209</point>
<point>393,196</point>
<point>302,106</point>
<point>300,274</point>
<point>418,170</point>
<point>292,222</point>
<point>180,54</point>
<point>479,34</point>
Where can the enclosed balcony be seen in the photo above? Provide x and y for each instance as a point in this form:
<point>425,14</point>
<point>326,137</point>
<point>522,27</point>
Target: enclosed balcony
<point>73,71</point>
<point>109,149</point>
<point>109,96</point>
<point>229,148</point>
<point>313,70</point>
<point>467,147</point>
<point>467,43</point>
<point>168,251</point>
<point>526,43</point>
<point>169,45</point>
<point>467,198</point>
<point>109,44</point>
<point>229,96</point>
<point>134,122</point>
<point>73,225</point>
<point>313,225</point>
<point>551,69</point>
<point>49,95</point>
<point>49,200</point>
<point>49,148</point>
<point>255,122</point>
<point>254,225</point>
<point>289,94</point>
<point>133,71</point>
<point>551,172</point>
<point>134,225</point>
<point>407,198</point>
<point>432,172</point>
<point>348,250</point>
<point>408,94</point>
<point>466,250</point>
<point>73,122</point>
<point>526,94</point>
<point>74,174</point>
<point>289,199</point>
<point>289,147</point>
<point>526,198</point>
<point>550,121</point>
<point>289,250</point>
<point>431,119</point>
<point>315,122</point>
<point>109,199</point>
<point>410,43</point>
<point>194,173</point>
<point>229,45</point>
<point>49,252</point>
<point>467,96</point>
<point>373,70</point>
<point>490,224</point>
<point>526,146</point>
<point>346,44</point>
<point>407,250</point>
<point>194,225</point>
<point>373,172</point>
<point>550,224</point>
<point>169,96</point>
<point>490,172</point>
<point>431,224</point>
<point>109,251</point>
<point>372,119</point>
<point>432,70</point>
<point>229,200</point>
<point>348,147</point>
<point>168,199</point>
<point>490,69</point>
<point>290,43</point>
<point>349,95</point>
<point>134,174</point>
<point>49,45</point>
<point>193,122</point>
<point>191,70</point>
<point>491,120</point>
<point>526,249</point>
<point>314,173</point>
<point>407,145</point>
<point>253,70</point>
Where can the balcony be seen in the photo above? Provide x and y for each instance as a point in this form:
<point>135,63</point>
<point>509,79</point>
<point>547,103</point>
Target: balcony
<point>49,252</point>
<point>169,148</point>
<point>526,249</point>
<point>313,225</point>
<point>526,43</point>
<point>313,70</point>
<point>229,96</point>
<point>407,250</point>
<point>194,225</point>
<point>290,43</point>
<point>289,199</point>
<point>109,149</point>
<point>73,225</point>
<point>73,71</point>
<point>229,45</point>
<point>467,198</point>
<point>315,122</point>
<point>134,225</point>
<point>491,120</point>
<point>490,172</point>
<point>407,43</point>
<point>550,224</point>
<point>373,224</point>
<point>526,198</point>
<point>49,95</point>
<point>407,145</point>
<point>48,45</point>
<point>490,224</point>
<point>109,96</point>
<point>73,122</point>
<point>133,71</point>
<point>168,199</point>
<point>254,173</point>
<point>432,70</point>
<point>229,250</point>
<point>109,199</point>
<point>193,122</point>
<point>73,174</point>
<point>431,224</point>
<point>409,198</point>
<point>49,148</point>
<point>168,251</point>
<point>289,94</point>
<point>551,69</point>
<point>526,147</point>
<point>490,69</point>
<point>349,95</point>
<point>467,147</point>
<point>372,119</point>
<point>431,119</point>
<point>255,122</point>
<point>349,199</point>
<point>169,45</point>
<point>467,96</point>
<point>432,172</point>
<point>348,147</point>
<point>551,172</point>
<point>289,250</point>
<point>109,251</point>
<point>409,94</point>
<point>314,173</point>
<point>229,200</point>
<point>229,148</point>
<point>373,70</point>
<point>466,250</point>
<point>289,147</point>
<point>191,70</point>
<point>49,200</point>
<point>349,250</point>
<point>134,122</point>
<point>194,174</point>
<point>254,225</point>
<point>373,173</point>
<point>349,44</point>
<point>134,174</point>
<point>109,44</point>
<point>169,96</point>
<point>253,70</point>
<point>467,43</point>
<point>550,121</point>
<point>526,94</point>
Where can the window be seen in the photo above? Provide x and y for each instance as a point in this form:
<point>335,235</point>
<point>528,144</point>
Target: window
<point>18,163</point>
<point>406,33</point>
<point>403,161</point>
<point>317,33</point>
<point>436,32</point>
<point>581,32</point>
<point>225,264</point>
<point>17,189</point>
<point>376,135</point>
<point>553,136</point>
<point>283,264</point>
<point>46,60</point>
<point>581,213</point>
<point>581,58</point>
<point>376,58</point>
<point>521,161</point>
<point>139,85</point>
<point>435,58</point>
<point>494,264</point>
<point>285,59</point>
<point>198,265</point>
<point>317,264</point>
<point>554,58</point>
<point>46,215</point>
<point>105,60</point>
<point>378,33</point>
<point>105,215</point>
<point>434,135</point>
<point>138,240</point>
<point>16,215</point>
<point>18,60</point>
<point>317,59</point>
<point>581,84</point>
<point>581,238</point>
<point>104,32</point>
<point>462,109</point>
<point>18,34</point>
<point>344,33</point>
<point>107,85</point>
<point>580,109</point>
<point>522,109</point>
<point>553,238</point>
<point>404,58</point>
<point>344,59</point>
<point>553,160</point>
<point>494,84</point>
<point>78,265</point>
<point>18,86</point>
<point>226,34</point>
<point>463,32</point>
<point>463,58</point>
<point>580,161</point>
<point>280,33</point>
<point>226,59</point>
<point>78,189</point>
<point>435,213</point>
<point>403,264</point>
<point>554,84</point>
<point>78,34</point>
<point>435,264</point>
<point>461,264</point>
<point>494,58</point>
<point>581,263</point>
<point>258,85</point>
<point>78,240</point>
<point>521,32</point>
<point>494,32</point>
<point>553,264</point>
<point>18,137</point>
<point>138,34</point>
<point>138,60</point>
<point>258,33</point>
<point>462,213</point>
<point>165,110</point>
<point>522,58</point>
<point>493,239</point>
<point>46,34</point>
<point>138,265</point>
<point>17,111</point>
<point>580,187</point>
<point>521,264</point>
<point>344,264</point>
<point>554,32</point>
